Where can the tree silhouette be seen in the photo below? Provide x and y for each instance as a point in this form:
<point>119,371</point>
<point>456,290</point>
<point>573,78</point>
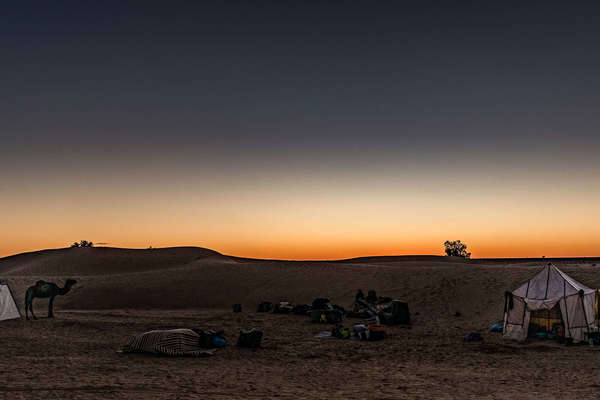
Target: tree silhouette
<point>456,248</point>
<point>83,243</point>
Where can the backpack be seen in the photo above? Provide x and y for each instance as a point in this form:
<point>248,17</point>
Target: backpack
<point>301,309</point>
<point>250,338</point>
<point>265,306</point>
<point>320,303</point>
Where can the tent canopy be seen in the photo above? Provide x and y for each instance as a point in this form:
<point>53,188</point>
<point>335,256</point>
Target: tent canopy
<point>550,284</point>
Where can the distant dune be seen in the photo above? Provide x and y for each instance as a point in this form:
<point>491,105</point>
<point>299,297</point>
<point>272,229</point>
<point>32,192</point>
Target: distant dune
<point>192,277</point>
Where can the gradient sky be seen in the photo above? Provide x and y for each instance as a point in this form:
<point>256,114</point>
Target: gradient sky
<point>301,130</point>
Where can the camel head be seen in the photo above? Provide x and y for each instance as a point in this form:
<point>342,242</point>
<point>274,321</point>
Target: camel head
<point>70,282</point>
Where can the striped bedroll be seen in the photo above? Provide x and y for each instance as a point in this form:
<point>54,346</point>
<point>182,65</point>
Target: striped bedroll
<point>173,342</point>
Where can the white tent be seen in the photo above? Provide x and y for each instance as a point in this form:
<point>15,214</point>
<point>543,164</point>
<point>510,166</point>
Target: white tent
<point>8,307</point>
<point>557,296</point>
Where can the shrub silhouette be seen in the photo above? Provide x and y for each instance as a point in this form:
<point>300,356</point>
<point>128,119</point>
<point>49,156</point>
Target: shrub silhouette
<point>456,248</point>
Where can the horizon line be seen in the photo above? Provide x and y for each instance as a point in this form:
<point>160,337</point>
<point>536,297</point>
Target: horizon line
<point>304,259</point>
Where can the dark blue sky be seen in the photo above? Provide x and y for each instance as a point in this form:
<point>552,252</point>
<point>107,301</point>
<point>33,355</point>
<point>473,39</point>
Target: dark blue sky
<point>304,74</point>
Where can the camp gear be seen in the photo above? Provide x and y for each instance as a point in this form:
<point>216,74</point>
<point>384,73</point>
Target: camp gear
<point>250,338</point>
<point>340,332</point>
<point>8,307</point>
<point>344,333</point>
<point>371,297</point>
<point>283,307</point>
<point>472,337</point>
<point>326,316</point>
<point>219,341</point>
<point>333,316</point>
<point>338,308</point>
<point>174,342</point>
<point>358,314</point>
<point>396,313</point>
<point>550,297</point>
<point>320,303</point>
<point>362,307</point>
<point>376,332</point>
<point>237,308</point>
<point>206,337</point>
<point>315,315</point>
<point>496,328</point>
<point>593,338</point>
<point>265,306</point>
<point>301,309</point>
<point>360,331</point>
<point>359,295</point>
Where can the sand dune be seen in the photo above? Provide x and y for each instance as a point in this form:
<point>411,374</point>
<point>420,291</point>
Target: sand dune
<point>190,277</point>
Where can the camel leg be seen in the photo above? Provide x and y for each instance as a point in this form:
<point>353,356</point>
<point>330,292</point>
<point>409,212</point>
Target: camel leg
<point>50,306</point>
<point>28,299</point>
<point>31,309</point>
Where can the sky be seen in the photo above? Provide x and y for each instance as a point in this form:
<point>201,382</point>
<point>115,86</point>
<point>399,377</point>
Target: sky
<point>301,129</point>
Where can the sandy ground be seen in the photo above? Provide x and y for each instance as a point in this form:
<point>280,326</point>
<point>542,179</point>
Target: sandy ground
<point>74,355</point>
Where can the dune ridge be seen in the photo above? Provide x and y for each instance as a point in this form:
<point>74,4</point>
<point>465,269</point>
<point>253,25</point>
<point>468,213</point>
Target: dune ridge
<point>194,277</point>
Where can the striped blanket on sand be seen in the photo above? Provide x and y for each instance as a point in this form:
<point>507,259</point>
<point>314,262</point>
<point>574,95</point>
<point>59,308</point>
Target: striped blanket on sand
<point>173,342</point>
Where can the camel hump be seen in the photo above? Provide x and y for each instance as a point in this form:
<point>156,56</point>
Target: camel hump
<point>40,282</point>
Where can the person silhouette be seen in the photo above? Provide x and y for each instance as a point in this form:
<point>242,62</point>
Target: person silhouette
<point>359,295</point>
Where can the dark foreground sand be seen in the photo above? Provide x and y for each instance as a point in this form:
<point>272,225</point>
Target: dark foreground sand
<point>74,355</point>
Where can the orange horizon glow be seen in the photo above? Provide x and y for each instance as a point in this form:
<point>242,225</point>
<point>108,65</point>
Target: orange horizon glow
<point>311,215</point>
<point>308,253</point>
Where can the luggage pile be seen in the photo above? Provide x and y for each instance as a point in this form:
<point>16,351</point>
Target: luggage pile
<point>371,332</point>
<point>322,311</point>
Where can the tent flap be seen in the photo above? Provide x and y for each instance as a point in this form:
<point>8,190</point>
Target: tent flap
<point>8,307</point>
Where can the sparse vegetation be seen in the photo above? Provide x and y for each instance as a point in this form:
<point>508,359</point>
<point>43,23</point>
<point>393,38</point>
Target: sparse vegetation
<point>456,248</point>
<point>83,243</point>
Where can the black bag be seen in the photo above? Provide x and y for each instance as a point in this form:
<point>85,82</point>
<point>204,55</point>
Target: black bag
<point>283,308</point>
<point>301,309</point>
<point>265,306</point>
<point>207,336</point>
<point>250,338</point>
<point>320,303</point>
<point>333,316</point>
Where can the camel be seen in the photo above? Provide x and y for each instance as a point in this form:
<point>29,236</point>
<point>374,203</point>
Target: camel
<point>44,289</point>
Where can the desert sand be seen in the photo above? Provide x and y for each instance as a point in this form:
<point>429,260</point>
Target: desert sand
<point>123,292</point>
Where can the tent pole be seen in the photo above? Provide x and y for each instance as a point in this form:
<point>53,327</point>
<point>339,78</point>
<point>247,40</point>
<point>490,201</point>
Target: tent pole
<point>566,308</point>
<point>504,317</point>
<point>584,313</point>
<point>547,281</point>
